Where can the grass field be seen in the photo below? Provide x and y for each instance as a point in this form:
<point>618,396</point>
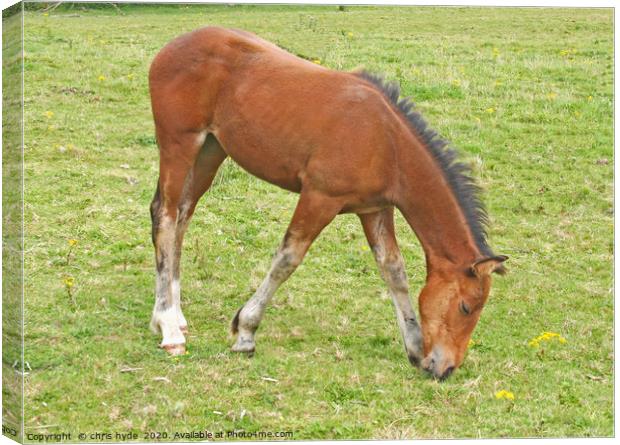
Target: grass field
<point>527,96</point>
<point>11,222</point>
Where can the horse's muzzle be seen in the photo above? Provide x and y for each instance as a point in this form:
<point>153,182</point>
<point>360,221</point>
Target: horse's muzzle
<point>438,365</point>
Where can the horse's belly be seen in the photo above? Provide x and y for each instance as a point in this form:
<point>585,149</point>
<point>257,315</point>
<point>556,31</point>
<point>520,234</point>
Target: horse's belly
<point>271,163</point>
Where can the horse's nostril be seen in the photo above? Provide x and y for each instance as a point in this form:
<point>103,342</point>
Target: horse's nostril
<point>430,366</point>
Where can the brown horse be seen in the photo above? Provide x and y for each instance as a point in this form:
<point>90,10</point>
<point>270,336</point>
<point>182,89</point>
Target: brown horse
<point>345,143</point>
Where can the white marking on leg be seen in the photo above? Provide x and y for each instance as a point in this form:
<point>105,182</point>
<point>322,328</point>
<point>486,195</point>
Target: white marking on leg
<point>165,314</point>
<point>252,312</point>
<point>181,227</point>
<point>176,296</point>
<point>169,325</point>
<point>393,272</point>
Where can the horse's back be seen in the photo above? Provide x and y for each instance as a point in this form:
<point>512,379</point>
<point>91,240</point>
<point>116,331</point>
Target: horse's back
<point>205,48</point>
<point>278,116</point>
<point>188,73</point>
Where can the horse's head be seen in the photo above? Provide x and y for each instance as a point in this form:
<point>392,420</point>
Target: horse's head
<point>450,306</point>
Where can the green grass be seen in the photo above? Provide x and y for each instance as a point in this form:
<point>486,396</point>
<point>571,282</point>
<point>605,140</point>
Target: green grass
<point>525,93</point>
<point>11,223</point>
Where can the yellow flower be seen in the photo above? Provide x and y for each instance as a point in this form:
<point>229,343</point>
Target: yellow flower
<point>471,343</point>
<point>49,114</point>
<point>568,52</point>
<point>317,61</point>
<point>349,34</point>
<point>590,98</point>
<point>503,394</point>
<point>69,282</point>
<point>495,52</point>
<point>130,76</point>
<point>45,14</point>
<point>490,110</point>
<point>552,95</point>
<point>456,82</point>
<point>498,83</point>
<point>101,78</point>
<point>577,114</point>
<point>550,335</point>
<point>73,242</point>
<point>546,336</point>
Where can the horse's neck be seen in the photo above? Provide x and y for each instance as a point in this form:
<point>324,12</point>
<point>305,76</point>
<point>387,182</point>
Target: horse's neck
<point>433,212</point>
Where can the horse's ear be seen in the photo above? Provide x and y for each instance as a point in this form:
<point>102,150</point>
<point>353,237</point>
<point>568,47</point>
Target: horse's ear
<point>487,266</point>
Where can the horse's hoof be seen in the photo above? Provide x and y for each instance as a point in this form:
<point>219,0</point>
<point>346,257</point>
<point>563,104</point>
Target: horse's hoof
<point>244,347</point>
<point>184,330</point>
<point>178,349</point>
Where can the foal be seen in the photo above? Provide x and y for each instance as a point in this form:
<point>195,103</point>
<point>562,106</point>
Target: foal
<point>345,143</point>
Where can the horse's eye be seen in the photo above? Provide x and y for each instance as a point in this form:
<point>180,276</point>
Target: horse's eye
<point>464,308</point>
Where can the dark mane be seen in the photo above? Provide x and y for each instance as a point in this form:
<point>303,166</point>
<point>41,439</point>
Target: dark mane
<point>457,174</point>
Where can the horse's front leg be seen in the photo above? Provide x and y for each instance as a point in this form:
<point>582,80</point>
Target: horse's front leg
<point>313,212</point>
<point>379,230</point>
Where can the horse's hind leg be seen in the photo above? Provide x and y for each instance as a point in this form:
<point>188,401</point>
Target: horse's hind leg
<point>198,181</point>
<point>313,212</point>
<point>379,230</point>
<point>170,210</point>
